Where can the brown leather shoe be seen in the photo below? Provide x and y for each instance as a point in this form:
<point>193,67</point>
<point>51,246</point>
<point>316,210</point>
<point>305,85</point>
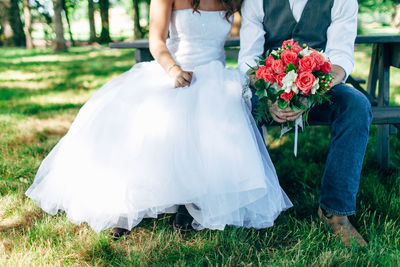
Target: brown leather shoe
<point>341,226</point>
<point>116,233</point>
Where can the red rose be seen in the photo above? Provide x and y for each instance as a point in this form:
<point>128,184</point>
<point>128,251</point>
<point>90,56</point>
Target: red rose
<point>266,74</point>
<point>307,64</point>
<point>296,48</point>
<point>289,56</point>
<point>279,78</point>
<point>287,96</point>
<point>305,81</point>
<point>278,66</point>
<point>319,59</point>
<point>268,61</point>
<point>260,71</point>
<point>287,42</point>
<point>269,75</point>
<point>326,67</point>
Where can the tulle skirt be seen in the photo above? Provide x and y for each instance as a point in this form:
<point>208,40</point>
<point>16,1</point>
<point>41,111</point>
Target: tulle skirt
<point>139,148</point>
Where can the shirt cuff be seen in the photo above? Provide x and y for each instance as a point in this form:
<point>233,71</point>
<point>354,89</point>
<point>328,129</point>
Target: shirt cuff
<point>343,62</point>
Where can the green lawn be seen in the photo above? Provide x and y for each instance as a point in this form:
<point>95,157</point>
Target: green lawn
<point>40,94</point>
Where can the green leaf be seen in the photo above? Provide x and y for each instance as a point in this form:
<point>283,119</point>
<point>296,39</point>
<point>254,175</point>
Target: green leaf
<point>261,112</point>
<point>259,84</point>
<point>296,109</point>
<point>273,98</point>
<point>261,93</point>
<point>302,106</point>
<point>290,67</point>
<point>252,70</point>
<point>282,104</point>
<point>260,61</point>
<point>271,93</point>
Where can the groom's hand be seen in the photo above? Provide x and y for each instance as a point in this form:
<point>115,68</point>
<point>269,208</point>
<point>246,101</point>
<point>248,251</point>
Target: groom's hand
<point>283,115</point>
<point>338,74</point>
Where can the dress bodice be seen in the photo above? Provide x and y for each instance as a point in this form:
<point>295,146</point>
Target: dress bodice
<point>196,38</point>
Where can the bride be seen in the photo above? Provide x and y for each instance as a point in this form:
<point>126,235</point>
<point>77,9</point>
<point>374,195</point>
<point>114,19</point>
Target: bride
<point>174,131</point>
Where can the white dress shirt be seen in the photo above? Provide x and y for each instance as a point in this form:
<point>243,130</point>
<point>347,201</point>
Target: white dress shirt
<point>341,33</point>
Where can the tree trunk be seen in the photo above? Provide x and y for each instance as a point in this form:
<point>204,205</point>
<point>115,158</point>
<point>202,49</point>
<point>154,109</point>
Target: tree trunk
<point>138,33</point>
<point>16,24</point>
<point>6,34</point>
<point>58,26</point>
<point>92,28</point>
<point>396,16</point>
<point>28,25</point>
<point>105,30</point>
<point>65,8</point>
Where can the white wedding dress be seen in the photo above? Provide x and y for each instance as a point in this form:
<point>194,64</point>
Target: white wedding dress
<point>139,147</point>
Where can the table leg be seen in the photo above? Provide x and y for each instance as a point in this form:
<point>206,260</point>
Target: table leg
<point>373,72</point>
<point>383,100</point>
<point>143,54</point>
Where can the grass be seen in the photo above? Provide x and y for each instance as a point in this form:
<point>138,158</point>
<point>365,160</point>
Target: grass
<point>40,94</point>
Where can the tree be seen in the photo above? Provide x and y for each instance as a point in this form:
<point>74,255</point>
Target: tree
<point>92,28</point>
<point>392,6</point>
<point>16,24</point>
<point>65,8</point>
<point>60,44</point>
<point>6,33</point>
<point>28,25</point>
<point>105,25</point>
<point>138,33</point>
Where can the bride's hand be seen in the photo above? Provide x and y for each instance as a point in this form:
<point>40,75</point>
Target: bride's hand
<point>181,78</point>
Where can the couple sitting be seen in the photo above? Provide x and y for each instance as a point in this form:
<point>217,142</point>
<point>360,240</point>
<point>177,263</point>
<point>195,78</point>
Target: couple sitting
<point>176,132</point>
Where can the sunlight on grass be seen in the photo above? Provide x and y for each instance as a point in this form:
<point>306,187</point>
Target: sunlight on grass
<point>40,95</point>
<point>274,143</point>
<point>66,97</point>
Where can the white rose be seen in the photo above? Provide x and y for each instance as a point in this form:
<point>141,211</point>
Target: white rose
<point>315,86</point>
<point>305,52</point>
<point>289,82</point>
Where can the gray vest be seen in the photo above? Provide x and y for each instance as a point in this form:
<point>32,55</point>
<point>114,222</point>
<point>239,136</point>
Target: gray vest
<point>280,25</point>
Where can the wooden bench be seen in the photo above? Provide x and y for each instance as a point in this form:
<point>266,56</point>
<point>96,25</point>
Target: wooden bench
<point>385,53</point>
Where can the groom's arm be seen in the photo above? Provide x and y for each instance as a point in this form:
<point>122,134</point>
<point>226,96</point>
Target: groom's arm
<point>251,34</point>
<point>341,35</point>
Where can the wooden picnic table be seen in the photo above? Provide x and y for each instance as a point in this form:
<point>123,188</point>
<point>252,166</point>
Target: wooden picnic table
<point>385,54</point>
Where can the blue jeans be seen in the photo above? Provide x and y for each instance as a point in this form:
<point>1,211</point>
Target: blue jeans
<point>350,116</point>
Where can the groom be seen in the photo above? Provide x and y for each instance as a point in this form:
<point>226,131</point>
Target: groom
<point>332,26</point>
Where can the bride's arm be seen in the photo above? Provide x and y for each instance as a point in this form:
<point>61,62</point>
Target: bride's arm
<point>160,16</point>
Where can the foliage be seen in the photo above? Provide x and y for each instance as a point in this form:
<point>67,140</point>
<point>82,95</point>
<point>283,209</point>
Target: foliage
<point>377,5</point>
<point>41,93</point>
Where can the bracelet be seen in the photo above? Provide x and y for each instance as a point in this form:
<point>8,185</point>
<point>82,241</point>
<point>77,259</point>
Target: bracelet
<point>170,68</point>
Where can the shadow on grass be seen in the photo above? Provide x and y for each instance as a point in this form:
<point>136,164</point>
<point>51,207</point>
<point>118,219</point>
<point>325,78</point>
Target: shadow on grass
<point>34,109</point>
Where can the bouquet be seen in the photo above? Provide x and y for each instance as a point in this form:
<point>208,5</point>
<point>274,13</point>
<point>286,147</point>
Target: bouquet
<point>296,76</point>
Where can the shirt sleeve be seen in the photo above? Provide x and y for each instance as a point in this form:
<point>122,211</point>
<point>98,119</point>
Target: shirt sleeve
<point>251,34</point>
<point>342,33</point>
